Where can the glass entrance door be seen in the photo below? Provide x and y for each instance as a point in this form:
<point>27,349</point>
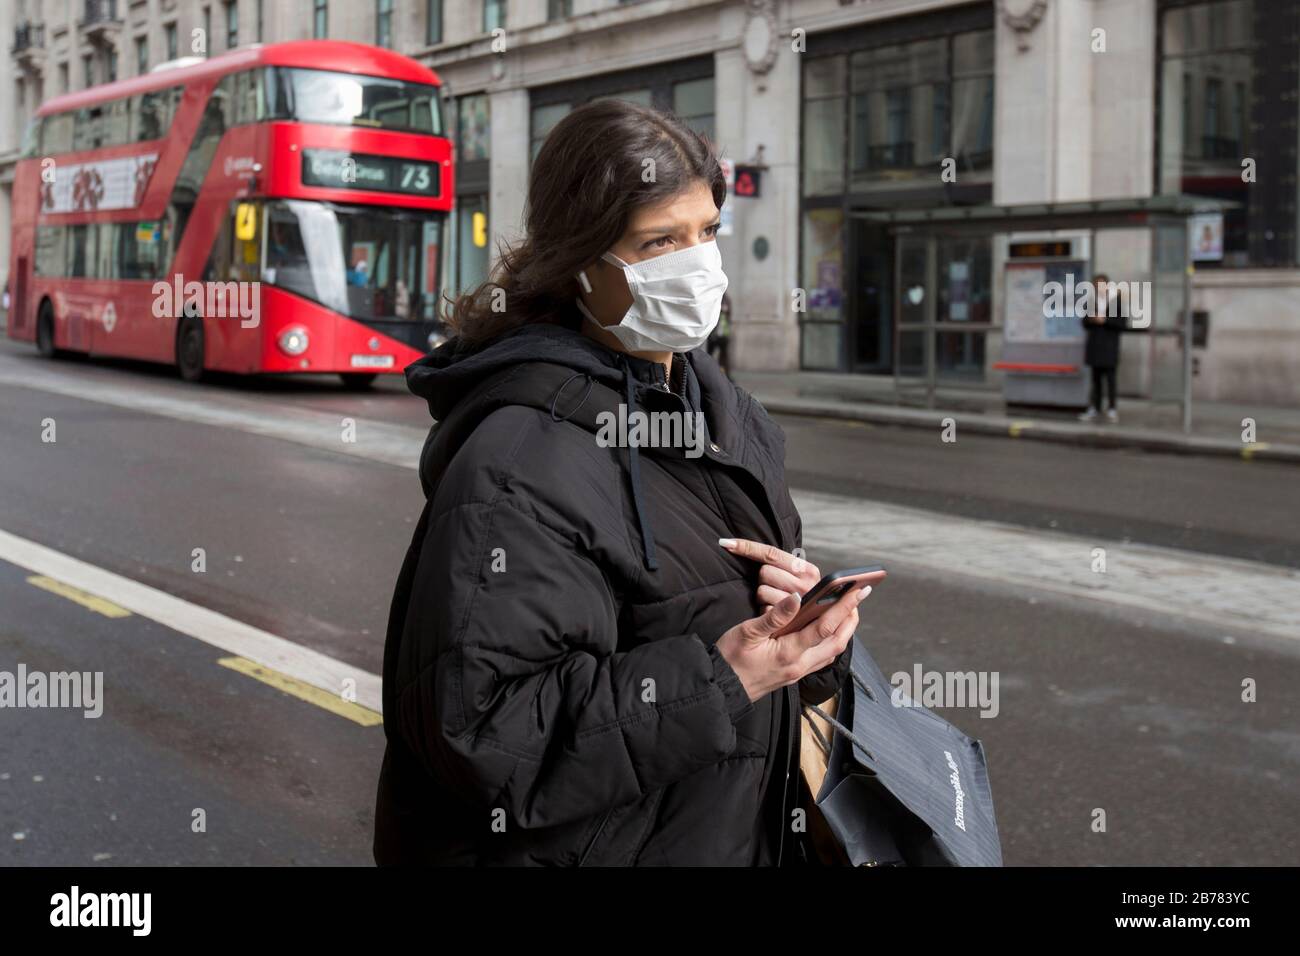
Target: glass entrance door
<point>871,310</point>
<point>943,293</point>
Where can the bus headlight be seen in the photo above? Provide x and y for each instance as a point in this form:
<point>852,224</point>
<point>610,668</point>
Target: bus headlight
<point>293,340</point>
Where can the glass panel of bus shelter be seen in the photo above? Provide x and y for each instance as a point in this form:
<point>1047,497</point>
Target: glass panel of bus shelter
<point>1163,307</point>
<point>963,293</point>
<point>914,309</point>
<point>822,318</point>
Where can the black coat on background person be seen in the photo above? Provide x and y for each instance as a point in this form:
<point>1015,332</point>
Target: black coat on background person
<point>552,693</point>
<point>1101,349</point>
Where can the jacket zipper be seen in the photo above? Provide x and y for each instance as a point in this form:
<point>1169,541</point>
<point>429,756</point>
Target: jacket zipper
<point>792,705</point>
<point>792,726</point>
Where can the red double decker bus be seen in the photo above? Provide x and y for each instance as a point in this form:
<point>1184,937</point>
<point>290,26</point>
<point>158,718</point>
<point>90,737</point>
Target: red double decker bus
<point>276,208</point>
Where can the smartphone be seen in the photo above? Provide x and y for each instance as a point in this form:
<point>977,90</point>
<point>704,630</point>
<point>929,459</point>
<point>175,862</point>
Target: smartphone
<point>829,590</point>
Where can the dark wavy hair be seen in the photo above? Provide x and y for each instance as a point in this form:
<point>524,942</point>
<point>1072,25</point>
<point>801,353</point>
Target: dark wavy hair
<point>599,163</point>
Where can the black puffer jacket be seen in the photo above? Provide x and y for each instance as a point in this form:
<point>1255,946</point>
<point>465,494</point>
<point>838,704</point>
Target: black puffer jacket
<point>551,690</point>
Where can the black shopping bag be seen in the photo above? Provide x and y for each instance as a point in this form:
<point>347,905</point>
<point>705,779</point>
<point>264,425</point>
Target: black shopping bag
<point>903,786</point>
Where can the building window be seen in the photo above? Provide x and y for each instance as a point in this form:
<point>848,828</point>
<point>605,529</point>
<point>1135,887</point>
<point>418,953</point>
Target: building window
<point>141,55</point>
<point>559,9</point>
<point>823,126</point>
<point>882,106</point>
<point>64,81</point>
<point>684,87</point>
<point>87,70</point>
<point>494,15</point>
<point>970,119</point>
<point>433,22</point>
<point>232,25</point>
<point>641,96</point>
<point>543,120</point>
<point>472,128</point>
<point>320,24</point>
<point>1227,94</point>
<point>897,110</point>
<point>169,36</point>
<point>384,23</point>
<point>110,64</point>
<point>472,241</point>
<point>208,39</point>
<point>693,102</point>
<point>913,105</point>
<point>261,19</point>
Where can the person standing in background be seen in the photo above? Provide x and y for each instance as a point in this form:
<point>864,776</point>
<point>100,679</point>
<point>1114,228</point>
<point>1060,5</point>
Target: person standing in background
<point>720,338</point>
<point>1103,326</point>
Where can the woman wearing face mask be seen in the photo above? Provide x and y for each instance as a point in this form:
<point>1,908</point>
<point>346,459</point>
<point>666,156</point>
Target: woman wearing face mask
<point>580,666</point>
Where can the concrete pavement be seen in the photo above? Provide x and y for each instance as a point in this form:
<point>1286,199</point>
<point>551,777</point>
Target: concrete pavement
<point>1217,427</point>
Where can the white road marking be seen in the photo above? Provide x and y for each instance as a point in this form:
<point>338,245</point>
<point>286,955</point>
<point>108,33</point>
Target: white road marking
<point>375,440</point>
<point>1223,592</point>
<point>234,637</point>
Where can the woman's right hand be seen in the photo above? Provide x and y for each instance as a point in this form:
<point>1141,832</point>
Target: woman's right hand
<point>765,663</point>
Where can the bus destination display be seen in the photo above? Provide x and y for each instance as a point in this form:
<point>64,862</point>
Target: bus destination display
<point>389,174</point>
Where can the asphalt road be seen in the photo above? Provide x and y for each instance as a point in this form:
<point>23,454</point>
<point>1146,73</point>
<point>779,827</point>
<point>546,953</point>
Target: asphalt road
<point>1135,713</point>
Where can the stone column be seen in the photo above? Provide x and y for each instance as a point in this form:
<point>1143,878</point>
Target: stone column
<point>757,90</point>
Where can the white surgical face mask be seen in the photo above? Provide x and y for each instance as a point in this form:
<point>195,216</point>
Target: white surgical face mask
<point>676,299</point>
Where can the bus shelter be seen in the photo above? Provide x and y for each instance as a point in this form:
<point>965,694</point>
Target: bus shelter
<point>1037,256</point>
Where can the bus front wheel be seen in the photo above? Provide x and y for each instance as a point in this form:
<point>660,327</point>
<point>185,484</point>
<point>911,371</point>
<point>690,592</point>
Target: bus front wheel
<point>189,348</point>
<point>45,331</point>
<point>357,381</point>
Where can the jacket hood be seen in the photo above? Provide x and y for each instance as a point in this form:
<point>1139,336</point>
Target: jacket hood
<point>447,374</point>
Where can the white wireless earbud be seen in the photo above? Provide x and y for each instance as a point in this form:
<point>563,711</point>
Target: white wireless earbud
<point>582,280</point>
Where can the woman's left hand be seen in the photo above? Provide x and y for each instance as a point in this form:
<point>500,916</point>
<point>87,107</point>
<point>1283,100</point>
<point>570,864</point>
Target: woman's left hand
<point>782,573</point>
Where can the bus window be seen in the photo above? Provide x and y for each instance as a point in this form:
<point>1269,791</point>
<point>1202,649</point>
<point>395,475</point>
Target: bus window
<point>81,251</point>
<point>152,114</point>
<point>116,125</point>
<point>426,264</point>
<point>249,103</point>
<point>56,134</point>
<point>106,250</point>
<point>320,96</point>
<point>366,262</point>
<point>237,252</point>
<point>31,140</point>
<point>88,131</point>
<point>51,251</point>
<point>139,247</point>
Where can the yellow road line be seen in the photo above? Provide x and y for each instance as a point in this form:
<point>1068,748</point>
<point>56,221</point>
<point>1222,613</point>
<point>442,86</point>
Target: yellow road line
<point>334,703</point>
<point>87,600</point>
<point>1017,427</point>
<point>1248,450</point>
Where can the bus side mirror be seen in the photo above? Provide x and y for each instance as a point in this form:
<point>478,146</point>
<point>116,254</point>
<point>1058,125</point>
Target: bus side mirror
<point>246,221</point>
